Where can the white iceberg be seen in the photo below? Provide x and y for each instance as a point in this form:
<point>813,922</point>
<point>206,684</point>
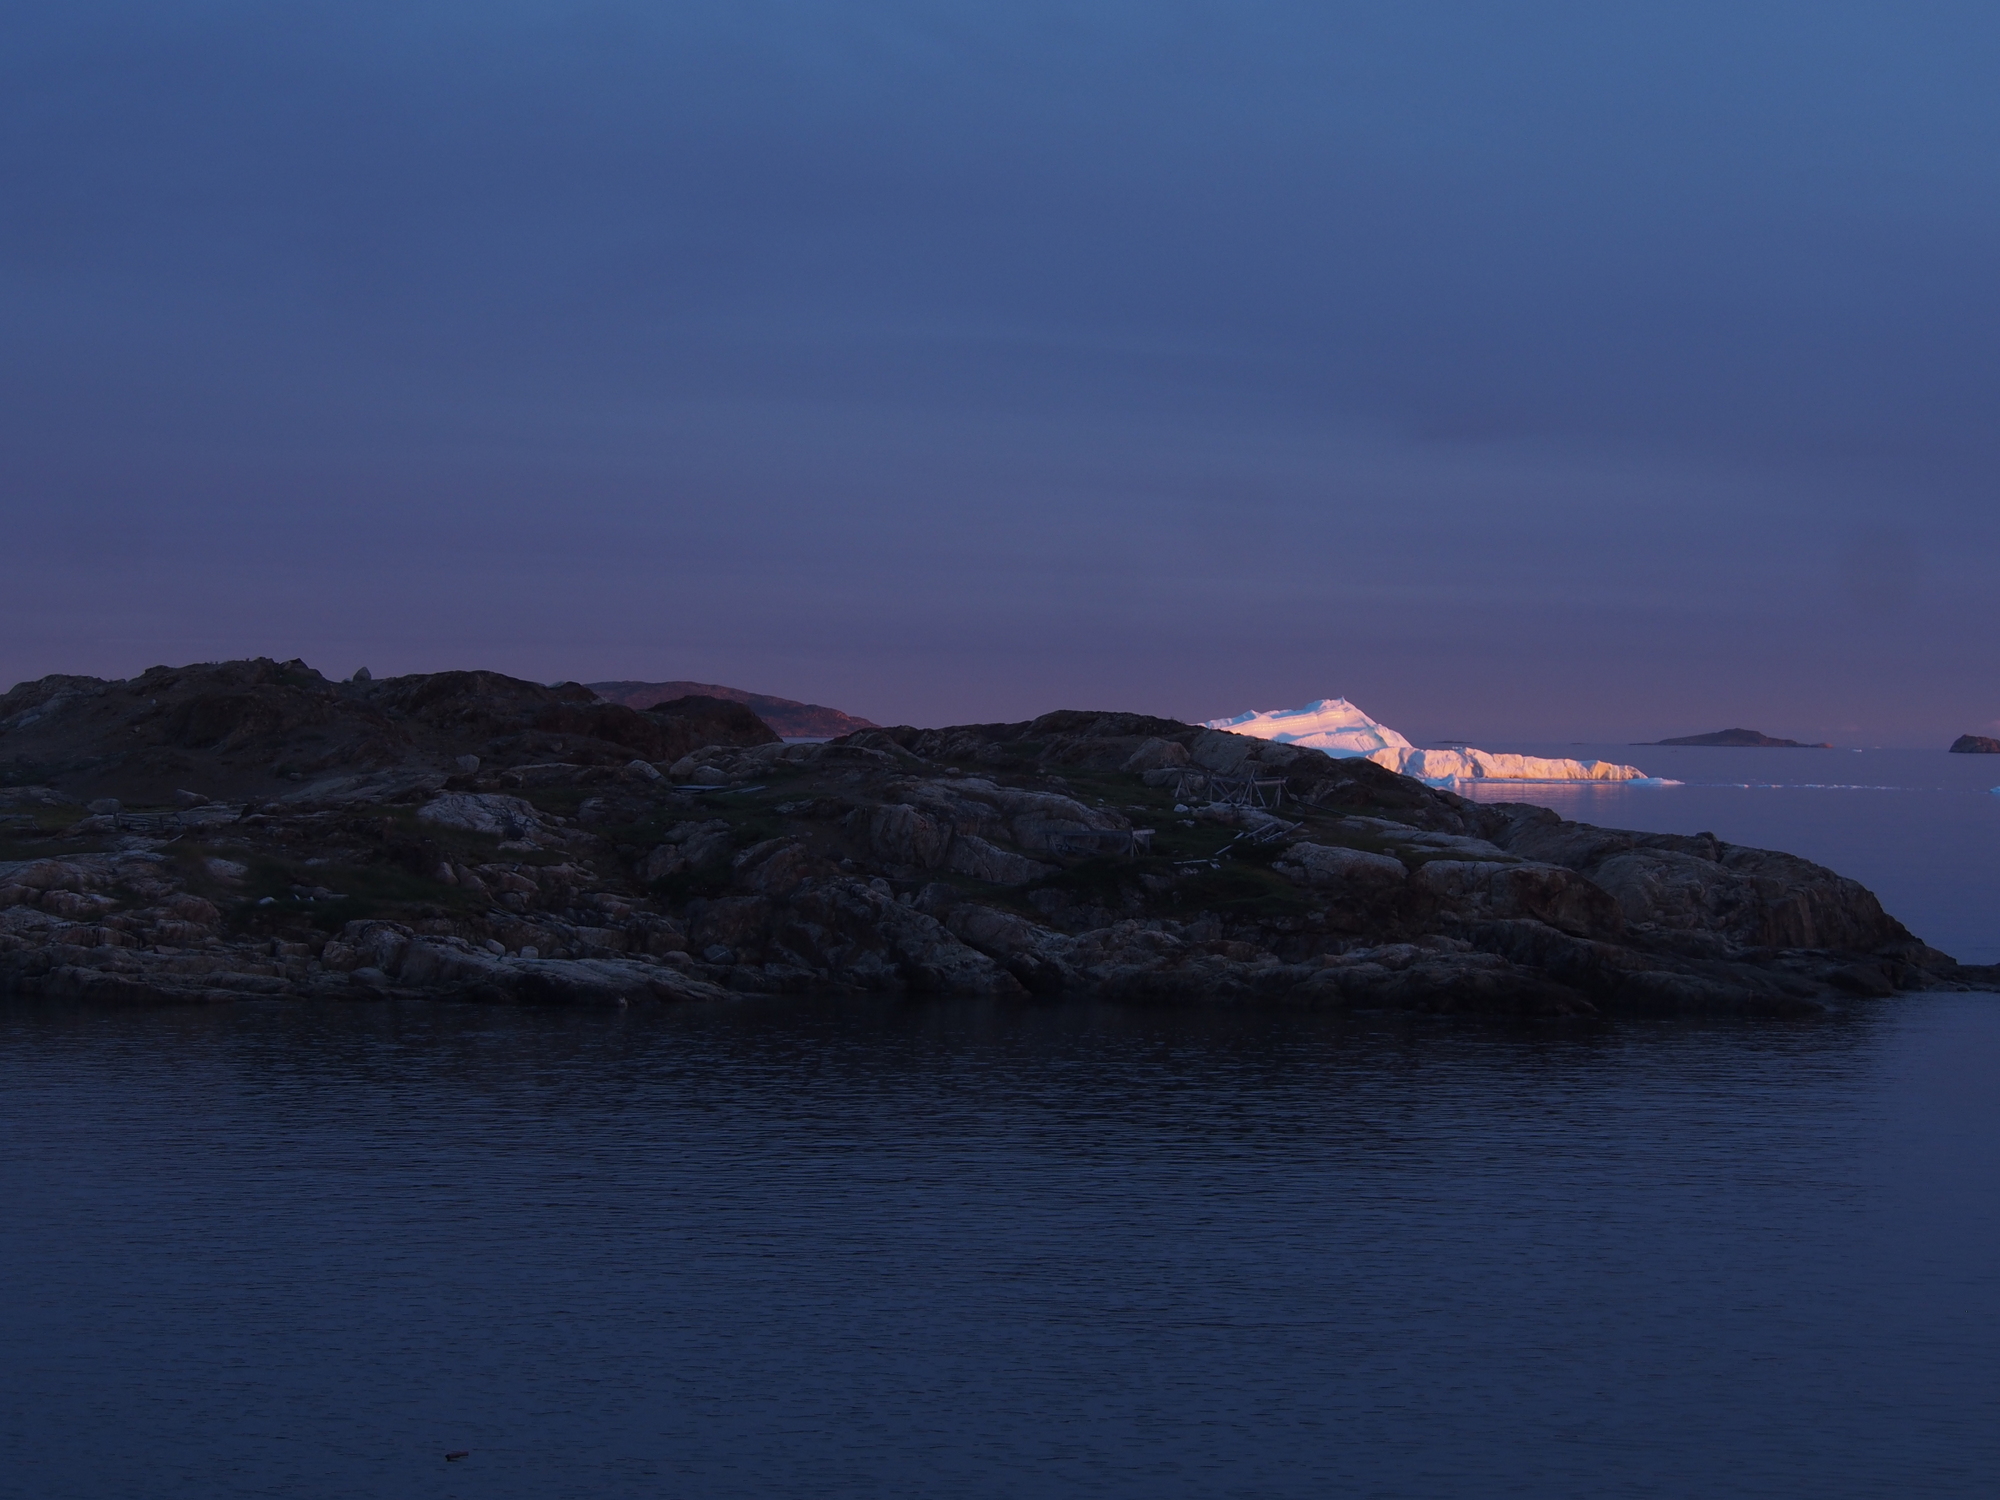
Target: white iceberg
<point>1331,724</point>
<point>1344,732</point>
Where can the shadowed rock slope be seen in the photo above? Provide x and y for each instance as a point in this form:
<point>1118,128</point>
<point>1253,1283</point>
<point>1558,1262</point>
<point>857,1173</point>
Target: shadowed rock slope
<point>285,836</point>
<point>790,718</point>
<point>258,729</point>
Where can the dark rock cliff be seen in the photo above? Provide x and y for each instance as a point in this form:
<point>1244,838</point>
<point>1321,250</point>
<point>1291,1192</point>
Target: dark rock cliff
<point>255,829</point>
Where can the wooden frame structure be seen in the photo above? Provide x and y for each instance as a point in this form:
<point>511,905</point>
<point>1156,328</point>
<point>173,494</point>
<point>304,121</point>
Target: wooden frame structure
<point>1194,785</point>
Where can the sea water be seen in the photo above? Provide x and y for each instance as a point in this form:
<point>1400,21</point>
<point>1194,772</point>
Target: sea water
<point>861,1248</point>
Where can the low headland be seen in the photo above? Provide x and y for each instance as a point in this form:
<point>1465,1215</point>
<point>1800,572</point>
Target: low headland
<point>252,828</point>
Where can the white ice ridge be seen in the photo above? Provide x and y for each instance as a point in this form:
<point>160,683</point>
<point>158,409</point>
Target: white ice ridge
<point>1344,731</point>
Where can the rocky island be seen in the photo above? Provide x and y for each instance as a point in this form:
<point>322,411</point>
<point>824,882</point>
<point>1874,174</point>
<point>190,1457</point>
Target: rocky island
<point>1743,739</point>
<point>252,828</point>
<point>1975,744</point>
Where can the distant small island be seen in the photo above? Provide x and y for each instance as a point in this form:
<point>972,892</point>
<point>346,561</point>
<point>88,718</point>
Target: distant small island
<point>1741,739</point>
<point>1975,744</point>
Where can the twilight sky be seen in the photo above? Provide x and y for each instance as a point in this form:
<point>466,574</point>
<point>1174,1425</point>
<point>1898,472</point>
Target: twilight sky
<point>1527,371</point>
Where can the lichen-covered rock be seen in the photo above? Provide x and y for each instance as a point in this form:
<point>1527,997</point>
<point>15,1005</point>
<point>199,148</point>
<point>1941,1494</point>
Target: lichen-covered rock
<point>1042,960</point>
<point>663,861</point>
<point>776,867</point>
<point>1038,822</point>
<point>1548,893</point>
<point>974,856</point>
<point>1155,755</point>
<point>482,812</point>
<point>336,791</point>
<point>847,929</point>
<point>901,835</point>
<point>1332,867</point>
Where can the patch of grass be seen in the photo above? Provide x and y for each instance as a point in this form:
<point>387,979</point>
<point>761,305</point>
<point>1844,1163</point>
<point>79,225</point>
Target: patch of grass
<point>12,850</point>
<point>689,885</point>
<point>641,835</point>
<point>1237,890</point>
<point>650,830</point>
<point>754,825</point>
<point>32,833</point>
<point>1116,787</point>
<point>28,773</point>
<point>382,891</point>
<point>391,884</point>
<point>1320,831</point>
<point>370,890</point>
<point>189,860</point>
<point>748,824</point>
<point>49,847</point>
<point>1102,879</point>
<point>557,801</point>
<point>1203,841</point>
<point>1332,811</point>
<point>459,845</point>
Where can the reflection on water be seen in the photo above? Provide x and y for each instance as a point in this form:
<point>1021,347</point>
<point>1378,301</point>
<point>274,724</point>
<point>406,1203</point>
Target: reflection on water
<point>1920,828</point>
<point>825,1249</point>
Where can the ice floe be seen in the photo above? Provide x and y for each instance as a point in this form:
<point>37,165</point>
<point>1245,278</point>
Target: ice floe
<point>1344,731</point>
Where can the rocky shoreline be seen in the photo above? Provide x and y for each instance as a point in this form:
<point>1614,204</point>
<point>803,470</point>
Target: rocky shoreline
<point>259,831</point>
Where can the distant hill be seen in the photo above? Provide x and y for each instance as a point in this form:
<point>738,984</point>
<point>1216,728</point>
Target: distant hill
<point>1741,739</point>
<point>1975,744</point>
<point>791,719</point>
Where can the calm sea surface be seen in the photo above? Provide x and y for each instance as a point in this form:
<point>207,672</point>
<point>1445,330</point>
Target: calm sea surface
<point>868,1249</point>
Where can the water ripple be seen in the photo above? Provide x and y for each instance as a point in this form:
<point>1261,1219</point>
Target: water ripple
<point>830,1249</point>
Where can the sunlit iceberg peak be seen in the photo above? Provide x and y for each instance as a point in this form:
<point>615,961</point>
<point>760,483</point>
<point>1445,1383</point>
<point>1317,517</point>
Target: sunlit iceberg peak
<point>1344,731</point>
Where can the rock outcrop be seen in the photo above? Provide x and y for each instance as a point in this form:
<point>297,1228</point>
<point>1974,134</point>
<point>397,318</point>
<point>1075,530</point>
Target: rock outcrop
<point>1975,744</point>
<point>469,836</point>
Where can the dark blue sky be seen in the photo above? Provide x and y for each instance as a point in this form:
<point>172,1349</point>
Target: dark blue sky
<point>1519,371</point>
